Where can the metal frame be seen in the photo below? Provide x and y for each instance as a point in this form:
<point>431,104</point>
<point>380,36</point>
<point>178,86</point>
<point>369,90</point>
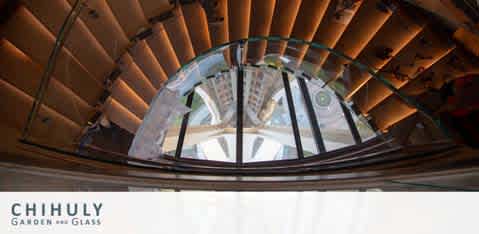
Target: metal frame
<point>184,125</point>
<point>318,137</point>
<point>292,114</point>
<point>295,127</point>
<point>239,115</point>
<point>352,125</point>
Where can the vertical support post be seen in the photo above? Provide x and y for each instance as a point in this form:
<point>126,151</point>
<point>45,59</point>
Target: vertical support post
<point>239,117</point>
<point>51,64</point>
<point>184,125</point>
<point>292,114</point>
<point>318,137</point>
<point>352,125</point>
<point>240,56</point>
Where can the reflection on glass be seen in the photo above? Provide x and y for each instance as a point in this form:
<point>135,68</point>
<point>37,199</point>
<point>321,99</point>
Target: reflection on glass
<point>365,130</point>
<point>214,148</point>
<point>332,122</point>
<point>210,133</point>
<point>172,134</point>
<point>267,125</point>
<point>268,133</point>
<point>304,123</point>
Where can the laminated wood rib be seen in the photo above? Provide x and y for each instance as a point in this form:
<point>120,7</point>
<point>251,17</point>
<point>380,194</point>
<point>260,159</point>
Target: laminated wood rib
<point>49,127</point>
<point>218,23</point>
<point>197,25</point>
<point>333,25</point>
<point>217,16</point>
<point>456,64</point>
<point>261,19</point>
<point>129,15</point>
<point>121,92</point>
<point>366,23</point>
<point>135,78</point>
<point>161,46</point>
<point>306,25</point>
<point>147,62</point>
<point>238,19</point>
<point>102,23</point>
<point>20,30</point>
<point>20,71</point>
<point>179,37</point>
<point>94,59</point>
<point>394,35</point>
<point>152,8</point>
<point>284,16</point>
<point>422,52</point>
<point>121,116</point>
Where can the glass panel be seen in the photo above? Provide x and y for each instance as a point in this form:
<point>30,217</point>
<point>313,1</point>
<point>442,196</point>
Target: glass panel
<point>267,123</point>
<point>173,132</point>
<point>307,138</point>
<point>210,134</point>
<point>332,122</point>
<point>365,130</point>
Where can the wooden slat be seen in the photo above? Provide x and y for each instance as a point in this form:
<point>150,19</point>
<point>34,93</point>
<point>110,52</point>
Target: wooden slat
<point>261,19</point>
<point>455,65</point>
<point>152,8</point>
<point>147,62</point>
<point>238,19</point>
<point>218,23</point>
<point>469,39</point>
<point>94,59</point>
<point>395,34</point>
<point>429,45</point>
<point>307,22</point>
<point>121,92</point>
<point>129,15</point>
<point>48,128</point>
<point>197,24</point>
<point>32,38</point>
<point>365,24</point>
<point>99,18</point>
<point>179,37</point>
<point>135,78</point>
<point>334,23</point>
<point>20,71</point>
<point>284,16</point>
<point>161,46</point>
<point>121,116</point>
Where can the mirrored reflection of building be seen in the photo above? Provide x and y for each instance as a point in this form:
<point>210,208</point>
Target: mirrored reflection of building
<point>267,126</point>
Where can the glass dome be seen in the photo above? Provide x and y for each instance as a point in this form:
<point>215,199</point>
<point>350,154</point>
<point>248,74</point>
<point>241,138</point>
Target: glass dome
<point>236,111</point>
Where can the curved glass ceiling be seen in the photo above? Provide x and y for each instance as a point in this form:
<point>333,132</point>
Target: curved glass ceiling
<point>223,108</point>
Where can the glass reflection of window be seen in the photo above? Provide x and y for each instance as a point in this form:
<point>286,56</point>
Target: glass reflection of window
<point>332,122</point>
<point>268,129</point>
<point>268,132</point>
<point>205,137</point>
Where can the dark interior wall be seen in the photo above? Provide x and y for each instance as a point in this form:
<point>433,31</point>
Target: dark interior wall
<point>7,7</point>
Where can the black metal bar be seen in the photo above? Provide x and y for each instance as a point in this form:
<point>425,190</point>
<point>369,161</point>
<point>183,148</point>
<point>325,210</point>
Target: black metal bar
<point>184,125</point>
<point>239,117</point>
<point>51,64</point>
<point>292,114</point>
<point>318,137</point>
<point>352,125</point>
